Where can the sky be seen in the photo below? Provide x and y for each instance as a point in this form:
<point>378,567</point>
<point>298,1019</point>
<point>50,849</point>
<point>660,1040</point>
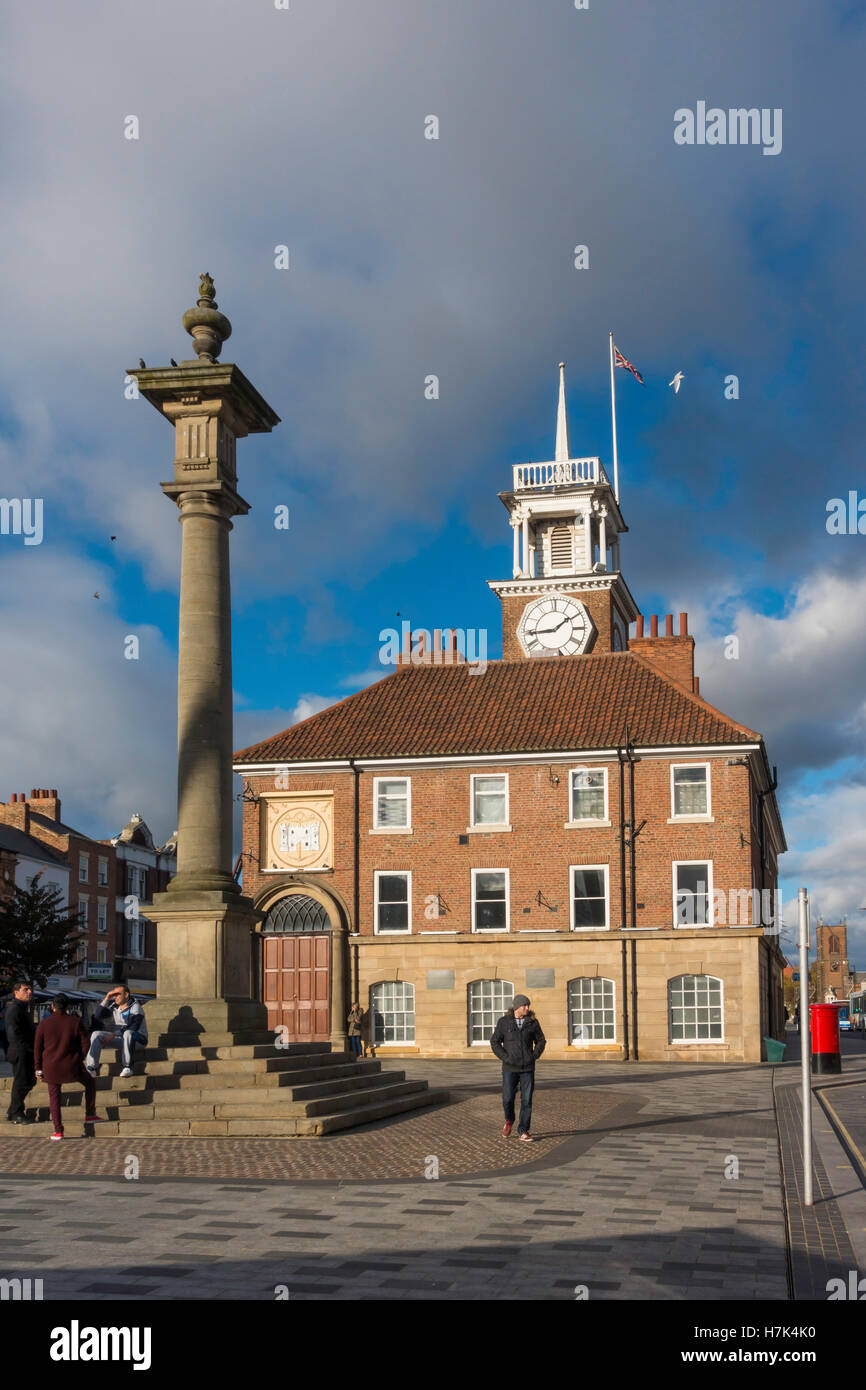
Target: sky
<point>304,127</point>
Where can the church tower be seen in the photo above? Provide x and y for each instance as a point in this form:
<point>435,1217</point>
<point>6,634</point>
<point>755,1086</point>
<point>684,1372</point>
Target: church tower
<point>566,596</point>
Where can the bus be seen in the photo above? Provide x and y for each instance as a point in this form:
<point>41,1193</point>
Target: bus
<point>857,1009</point>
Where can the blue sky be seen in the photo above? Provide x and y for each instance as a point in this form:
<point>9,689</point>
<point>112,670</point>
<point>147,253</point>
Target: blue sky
<point>408,257</point>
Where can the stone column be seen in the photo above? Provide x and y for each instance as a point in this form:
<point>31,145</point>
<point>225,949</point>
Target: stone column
<point>515,524</point>
<point>206,981</point>
<point>339,1001</point>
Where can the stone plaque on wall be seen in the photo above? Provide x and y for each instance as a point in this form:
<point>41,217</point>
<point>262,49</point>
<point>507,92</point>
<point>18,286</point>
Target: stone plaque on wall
<point>297,831</point>
<point>440,979</point>
<point>540,979</point>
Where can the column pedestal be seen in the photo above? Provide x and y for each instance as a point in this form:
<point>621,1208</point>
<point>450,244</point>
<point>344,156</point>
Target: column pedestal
<point>206,971</point>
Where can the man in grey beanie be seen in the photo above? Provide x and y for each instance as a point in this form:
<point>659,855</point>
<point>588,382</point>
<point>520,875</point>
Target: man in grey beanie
<point>518,1042</point>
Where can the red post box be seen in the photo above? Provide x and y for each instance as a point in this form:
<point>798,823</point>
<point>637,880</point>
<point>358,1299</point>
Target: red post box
<point>826,1055</point>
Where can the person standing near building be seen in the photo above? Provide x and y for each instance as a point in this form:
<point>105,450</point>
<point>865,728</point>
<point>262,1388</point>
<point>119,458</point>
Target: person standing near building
<point>59,1052</point>
<point>518,1042</point>
<point>20,1033</point>
<point>356,1016</point>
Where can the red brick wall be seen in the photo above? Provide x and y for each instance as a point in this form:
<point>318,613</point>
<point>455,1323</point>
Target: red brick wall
<point>538,850</point>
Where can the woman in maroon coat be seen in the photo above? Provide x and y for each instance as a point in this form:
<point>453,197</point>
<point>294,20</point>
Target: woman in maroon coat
<point>59,1051</point>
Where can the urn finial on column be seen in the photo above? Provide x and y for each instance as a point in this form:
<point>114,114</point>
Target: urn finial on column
<point>207,327</point>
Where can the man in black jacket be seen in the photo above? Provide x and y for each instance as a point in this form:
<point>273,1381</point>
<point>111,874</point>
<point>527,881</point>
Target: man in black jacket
<point>20,1034</point>
<point>518,1042</point>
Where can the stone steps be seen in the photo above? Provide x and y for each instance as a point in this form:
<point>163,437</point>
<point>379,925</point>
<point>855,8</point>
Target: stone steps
<point>288,1127</point>
<point>248,1088</point>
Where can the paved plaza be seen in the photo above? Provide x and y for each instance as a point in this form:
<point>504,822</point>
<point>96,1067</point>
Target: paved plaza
<point>647,1182</point>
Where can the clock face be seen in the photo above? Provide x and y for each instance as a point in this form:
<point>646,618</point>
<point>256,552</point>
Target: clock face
<point>554,623</point>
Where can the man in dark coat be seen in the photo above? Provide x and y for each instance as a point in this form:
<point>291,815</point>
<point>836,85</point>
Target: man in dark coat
<point>19,1050</point>
<point>518,1042</point>
<point>60,1048</point>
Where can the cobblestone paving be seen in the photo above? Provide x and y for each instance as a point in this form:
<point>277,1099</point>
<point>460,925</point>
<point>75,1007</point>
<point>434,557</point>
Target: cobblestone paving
<point>464,1137</point>
<point>632,1202</point>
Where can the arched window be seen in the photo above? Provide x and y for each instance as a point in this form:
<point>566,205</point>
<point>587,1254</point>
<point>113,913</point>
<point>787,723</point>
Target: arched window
<point>591,1010</point>
<point>392,1004</point>
<point>833,947</point>
<point>488,1001</point>
<point>297,913</point>
<point>695,1009</point>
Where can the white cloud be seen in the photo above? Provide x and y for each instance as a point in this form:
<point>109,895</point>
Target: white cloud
<point>77,715</point>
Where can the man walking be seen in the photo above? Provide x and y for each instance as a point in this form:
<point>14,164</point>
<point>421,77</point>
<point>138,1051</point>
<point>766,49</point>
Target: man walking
<point>20,1034</point>
<point>518,1042</point>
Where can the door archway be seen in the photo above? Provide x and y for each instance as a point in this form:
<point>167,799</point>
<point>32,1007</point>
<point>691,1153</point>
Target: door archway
<point>296,966</point>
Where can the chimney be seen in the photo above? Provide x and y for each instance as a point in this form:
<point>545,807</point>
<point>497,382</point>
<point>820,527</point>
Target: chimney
<point>46,802</point>
<point>672,657</point>
<point>16,813</point>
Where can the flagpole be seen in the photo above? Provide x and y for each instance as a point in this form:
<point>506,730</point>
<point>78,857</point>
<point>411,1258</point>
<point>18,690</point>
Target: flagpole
<point>613,424</point>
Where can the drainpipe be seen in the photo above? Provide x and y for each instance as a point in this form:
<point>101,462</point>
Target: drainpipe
<point>622,899</point>
<point>762,796</point>
<point>634,998</point>
<point>356,884</point>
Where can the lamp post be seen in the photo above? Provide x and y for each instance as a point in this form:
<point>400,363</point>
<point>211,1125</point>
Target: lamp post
<point>206,975</point>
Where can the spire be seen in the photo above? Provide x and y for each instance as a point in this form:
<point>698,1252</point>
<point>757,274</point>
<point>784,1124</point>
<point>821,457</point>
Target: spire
<point>563,447</point>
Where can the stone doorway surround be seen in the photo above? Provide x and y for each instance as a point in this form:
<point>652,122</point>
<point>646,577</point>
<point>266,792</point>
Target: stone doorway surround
<point>338,914</point>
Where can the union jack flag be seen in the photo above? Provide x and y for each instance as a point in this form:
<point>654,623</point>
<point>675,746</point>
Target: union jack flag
<point>620,361</point>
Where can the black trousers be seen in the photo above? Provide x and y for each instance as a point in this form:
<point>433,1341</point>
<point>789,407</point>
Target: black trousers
<point>23,1081</point>
<point>510,1082</point>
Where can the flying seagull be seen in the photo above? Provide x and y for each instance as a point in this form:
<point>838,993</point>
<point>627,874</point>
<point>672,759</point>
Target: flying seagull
<point>141,362</point>
<point>96,595</point>
<point>677,382</point>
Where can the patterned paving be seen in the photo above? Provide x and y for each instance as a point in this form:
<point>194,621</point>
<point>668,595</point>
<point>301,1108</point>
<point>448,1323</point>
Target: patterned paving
<point>632,1193</point>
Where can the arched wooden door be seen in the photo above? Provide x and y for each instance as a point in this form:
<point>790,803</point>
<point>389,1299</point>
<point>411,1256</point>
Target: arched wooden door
<point>296,968</point>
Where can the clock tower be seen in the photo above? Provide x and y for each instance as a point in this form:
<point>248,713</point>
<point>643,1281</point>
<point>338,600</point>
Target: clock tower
<point>566,596</point>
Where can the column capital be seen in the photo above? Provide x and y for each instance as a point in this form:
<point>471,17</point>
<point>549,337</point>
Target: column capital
<point>217,500</point>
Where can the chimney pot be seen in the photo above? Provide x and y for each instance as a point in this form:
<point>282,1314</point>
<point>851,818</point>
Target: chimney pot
<point>53,791</point>
<point>654,625</point>
<point>697,681</point>
<point>669,625</point>
<point>32,793</point>
<point>684,625</point>
<point>639,630</point>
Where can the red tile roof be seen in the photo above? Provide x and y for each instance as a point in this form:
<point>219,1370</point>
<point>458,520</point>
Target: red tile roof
<point>540,706</point>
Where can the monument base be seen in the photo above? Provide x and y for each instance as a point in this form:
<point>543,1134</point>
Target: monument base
<point>207,975</point>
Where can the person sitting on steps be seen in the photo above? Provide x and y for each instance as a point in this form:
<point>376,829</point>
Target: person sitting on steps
<point>128,1028</point>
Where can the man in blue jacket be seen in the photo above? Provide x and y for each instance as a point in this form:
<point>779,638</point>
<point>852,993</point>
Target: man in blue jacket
<point>518,1042</point>
<point>126,1017</point>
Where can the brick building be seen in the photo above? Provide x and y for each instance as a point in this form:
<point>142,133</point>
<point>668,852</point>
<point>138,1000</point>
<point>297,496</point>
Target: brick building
<point>832,968</point>
<point>91,875</point>
<point>98,878</point>
<point>143,868</point>
<point>573,822</point>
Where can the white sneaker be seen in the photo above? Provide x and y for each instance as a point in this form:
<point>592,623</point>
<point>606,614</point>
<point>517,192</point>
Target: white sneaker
<point>127,1071</point>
